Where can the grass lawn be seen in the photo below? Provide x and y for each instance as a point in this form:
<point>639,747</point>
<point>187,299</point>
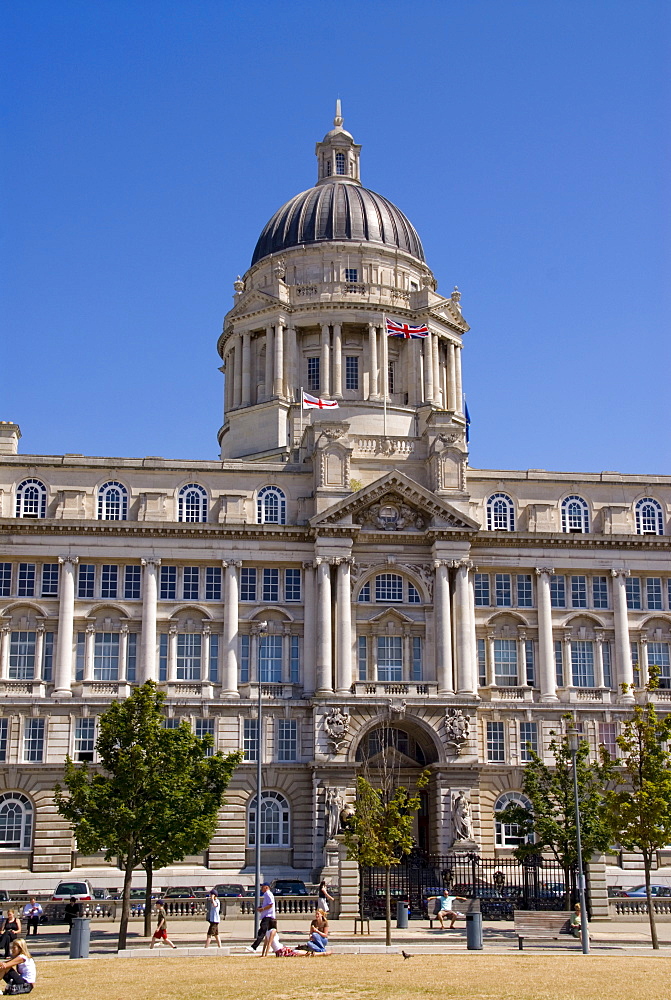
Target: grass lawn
<point>361,977</point>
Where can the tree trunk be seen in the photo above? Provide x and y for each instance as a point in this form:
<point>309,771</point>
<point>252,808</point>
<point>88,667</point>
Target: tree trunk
<point>125,903</point>
<point>360,898</point>
<point>149,869</point>
<point>387,893</point>
<point>647,864</point>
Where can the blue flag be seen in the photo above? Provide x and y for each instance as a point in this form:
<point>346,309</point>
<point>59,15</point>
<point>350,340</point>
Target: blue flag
<point>468,421</point>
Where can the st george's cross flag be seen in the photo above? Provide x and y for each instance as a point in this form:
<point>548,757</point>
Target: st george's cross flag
<point>405,331</point>
<point>315,403</point>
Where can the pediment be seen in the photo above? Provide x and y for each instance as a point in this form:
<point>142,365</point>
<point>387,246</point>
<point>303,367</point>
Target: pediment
<point>395,503</point>
<point>393,615</point>
<point>253,301</point>
<point>448,311</point>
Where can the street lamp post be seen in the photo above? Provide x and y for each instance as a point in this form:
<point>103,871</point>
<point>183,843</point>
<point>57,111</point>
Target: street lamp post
<point>574,738</point>
<point>263,626</point>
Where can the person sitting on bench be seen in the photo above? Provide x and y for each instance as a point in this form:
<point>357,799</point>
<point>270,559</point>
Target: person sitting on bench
<point>445,908</point>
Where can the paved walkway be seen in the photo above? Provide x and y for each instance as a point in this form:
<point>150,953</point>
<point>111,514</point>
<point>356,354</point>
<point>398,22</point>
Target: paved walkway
<point>499,937</point>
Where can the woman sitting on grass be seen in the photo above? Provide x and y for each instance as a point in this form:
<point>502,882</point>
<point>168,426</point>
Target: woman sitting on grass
<point>19,971</point>
<point>319,934</point>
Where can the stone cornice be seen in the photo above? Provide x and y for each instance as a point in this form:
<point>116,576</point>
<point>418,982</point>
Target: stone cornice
<point>125,529</point>
<point>561,540</point>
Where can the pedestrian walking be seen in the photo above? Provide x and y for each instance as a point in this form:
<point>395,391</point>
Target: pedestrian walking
<point>32,914</point>
<point>213,914</point>
<point>268,919</point>
<point>324,897</point>
<point>161,932</point>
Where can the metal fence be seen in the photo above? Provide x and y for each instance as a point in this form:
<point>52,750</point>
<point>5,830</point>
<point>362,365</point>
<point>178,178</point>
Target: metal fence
<point>501,884</point>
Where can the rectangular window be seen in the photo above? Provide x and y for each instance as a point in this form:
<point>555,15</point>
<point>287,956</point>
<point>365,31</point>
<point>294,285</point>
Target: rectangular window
<point>607,737</point>
<point>287,740</point>
<point>529,662</point>
<point>87,577</point>
<point>351,371</point>
<point>131,658</point>
<point>496,747</point>
<point>505,662</point>
<point>389,587</point>
<point>600,591</point>
<point>80,656</point>
<point>247,584</point>
<point>578,591</point>
<point>524,591</point>
<point>270,659</point>
<point>351,274</point>
<point>391,376</point>
<point>313,375</point>
<point>132,583</point>
<point>190,583</point>
<point>22,656</point>
<point>295,661</point>
<point>363,657</point>
<point>163,657</point>
<point>33,740</point>
<point>5,579</point>
<point>168,585</point>
<point>557,591</point>
<point>389,658</point>
<point>214,659</point>
<point>482,662</point>
<point>653,593</point>
<point>244,659</point>
<point>559,662</point>
<point>292,585</point>
<point>633,590</point>
<point>85,735</point>
<point>503,594</point>
<point>582,664</point>
<point>634,663</point>
<point>528,740</point>
<point>482,590</point>
<point>607,669</point>
<point>417,669</point>
<point>48,657</point>
<point>668,593</point>
<point>106,656</point>
<point>250,738</point>
<point>50,580</point>
<point>189,649</point>
<point>205,727</point>
<point>109,581</point>
<point>4,731</point>
<point>213,583</point>
<point>271,586</point>
<point>658,656</point>
<point>171,723</point>
<point>26,587</point>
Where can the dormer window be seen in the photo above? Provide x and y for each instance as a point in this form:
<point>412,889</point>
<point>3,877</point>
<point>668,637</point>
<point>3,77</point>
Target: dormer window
<point>340,163</point>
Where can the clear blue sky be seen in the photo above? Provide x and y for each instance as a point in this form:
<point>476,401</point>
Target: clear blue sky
<point>146,144</point>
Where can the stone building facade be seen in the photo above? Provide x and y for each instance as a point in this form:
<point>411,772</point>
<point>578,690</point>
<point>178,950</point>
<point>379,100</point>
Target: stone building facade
<point>347,559</point>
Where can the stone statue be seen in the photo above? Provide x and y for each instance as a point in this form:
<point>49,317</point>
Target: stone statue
<point>462,820</point>
<point>333,806</point>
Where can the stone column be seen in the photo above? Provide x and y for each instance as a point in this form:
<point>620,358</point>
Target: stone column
<point>324,647</point>
<point>522,659</point>
<point>268,388</point>
<point>344,627</point>
<point>473,689</point>
<point>624,670</point>
<point>148,666</point>
<point>66,618</point>
<point>237,371</point>
<point>598,662</point>
<point>546,653</point>
<point>325,374</point>
<point>309,678</point>
<point>457,379</point>
<point>463,619</point>
<point>428,369</point>
<point>384,364</point>
<point>4,652</point>
<point>39,651</point>
<point>123,653</point>
<point>228,384</point>
<point>89,647</point>
<point>372,376</point>
<point>229,665</point>
<point>172,653</point>
<point>643,673</point>
<point>567,658</point>
<point>451,378</point>
<point>246,368</point>
<point>491,661</point>
<point>205,654</point>
<point>278,382</point>
<point>443,626</point>
<point>291,365</point>
<point>337,360</point>
<point>286,654</point>
<point>435,357</point>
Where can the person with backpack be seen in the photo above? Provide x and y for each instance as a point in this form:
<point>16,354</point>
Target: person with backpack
<point>19,971</point>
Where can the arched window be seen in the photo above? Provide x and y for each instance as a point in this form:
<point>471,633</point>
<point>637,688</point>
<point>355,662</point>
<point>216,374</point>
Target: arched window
<point>649,517</point>
<point>31,499</point>
<point>274,821</point>
<point>574,515</point>
<point>340,163</point>
<point>500,513</point>
<point>112,502</point>
<point>271,506</point>
<point>192,503</point>
<point>16,822</point>
<point>508,834</point>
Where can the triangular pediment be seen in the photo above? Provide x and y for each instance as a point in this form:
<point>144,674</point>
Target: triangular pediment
<point>253,301</point>
<point>395,503</point>
<point>391,614</point>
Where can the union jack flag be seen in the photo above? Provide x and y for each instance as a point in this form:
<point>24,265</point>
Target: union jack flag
<point>406,331</point>
<point>314,402</point>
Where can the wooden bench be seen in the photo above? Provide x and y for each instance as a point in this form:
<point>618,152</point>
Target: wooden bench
<point>548,924</point>
<point>469,906</point>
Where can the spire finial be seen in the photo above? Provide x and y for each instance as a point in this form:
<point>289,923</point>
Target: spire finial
<point>338,120</point>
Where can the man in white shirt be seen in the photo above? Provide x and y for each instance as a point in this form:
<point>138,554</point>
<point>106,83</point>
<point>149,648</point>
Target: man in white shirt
<point>32,914</point>
<point>268,921</point>
<point>213,913</point>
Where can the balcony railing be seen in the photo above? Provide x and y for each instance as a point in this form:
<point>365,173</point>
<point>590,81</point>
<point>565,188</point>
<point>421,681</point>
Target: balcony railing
<point>405,689</point>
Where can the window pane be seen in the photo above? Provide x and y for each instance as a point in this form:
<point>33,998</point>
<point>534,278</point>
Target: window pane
<point>5,579</point>
<point>482,590</point>
<point>168,588</point>
<point>633,590</point>
<point>496,749</point>
<point>287,740</point>
<point>84,739</point>
<point>524,591</point>
<point>582,664</point>
<point>292,585</point>
<point>250,742</point>
<point>389,658</point>
<point>106,656</point>
<point>214,659</point>
<point>270,659</point>
<point>557,591</point>
<point>363,657</point>
<point>503,590</point>
<point>295,665</point>
<point>26,587</point>
<point>600,591</point>
<point>389,587</point>
<point>33,740</point>
<point>109,581</point>
<point>578,591</point>
<point>417,669</point>
<point>22,655</point>
<point>244,659</point>
<point>205,727</point>
<point>505,662</point>
<point>189,646</point>
<point>271,585</point>
<point>49,579</point>
<point>653,588</point>
<point>213,583</point>
<point>191,583</point>
<point>351,371</point>
<point>247,584</point>
<point>528,740</point>
<point>132,583</point>
<point>313,375</point>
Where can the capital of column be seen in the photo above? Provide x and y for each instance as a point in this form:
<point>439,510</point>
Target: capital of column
<point>150,562</point>
<point>90,628</point>
<point>173,629</point>
<point>541,570</point>
<point>437,563</point>
<point>231,562</point>
<point>206,630</point>
<point>620,572</point>
<point>462,564</point>
<point>343,561</point>
<point>308,564</point>
<point>642,638</point>
<point>68,559</point>
<point>124,629</point>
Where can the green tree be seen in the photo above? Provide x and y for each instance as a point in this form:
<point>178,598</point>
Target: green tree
<point>155,797</point>
<point>550,824</point>
<point>639,809</point>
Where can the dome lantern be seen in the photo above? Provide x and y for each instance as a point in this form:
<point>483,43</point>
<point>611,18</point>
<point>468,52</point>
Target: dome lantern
<point>338,154</point>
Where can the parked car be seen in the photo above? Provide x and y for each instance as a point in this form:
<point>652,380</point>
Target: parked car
<point>639,890</point>
<point>101,894</point>
<point>180,892</point>
<point>4,896</point>
<point>229,889</point>
<point>81,890</point>
<point>289,887</point>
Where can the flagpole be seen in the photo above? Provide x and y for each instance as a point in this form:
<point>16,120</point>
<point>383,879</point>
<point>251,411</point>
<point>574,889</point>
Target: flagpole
<point>385,373</point>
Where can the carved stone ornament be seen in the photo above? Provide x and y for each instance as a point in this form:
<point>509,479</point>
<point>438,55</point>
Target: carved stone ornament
<point>333,430</point>
<point>457,729</point>
<point>462,819</point>
<point>392,514</point>
<point>336,724</point>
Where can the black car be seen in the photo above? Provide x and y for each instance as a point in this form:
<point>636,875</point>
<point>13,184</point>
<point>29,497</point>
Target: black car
<point>230,889</point>
<point>288,887</point>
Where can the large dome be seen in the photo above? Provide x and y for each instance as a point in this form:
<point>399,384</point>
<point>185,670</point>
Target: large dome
<point>339,210</point>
